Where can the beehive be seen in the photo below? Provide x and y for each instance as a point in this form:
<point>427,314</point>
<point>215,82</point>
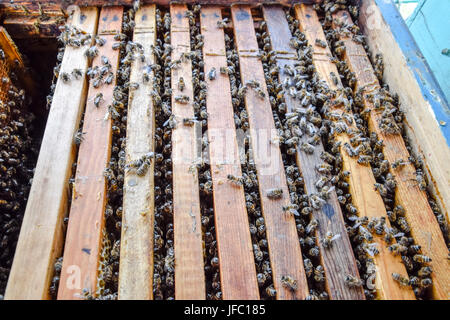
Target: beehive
<point>260,64</point>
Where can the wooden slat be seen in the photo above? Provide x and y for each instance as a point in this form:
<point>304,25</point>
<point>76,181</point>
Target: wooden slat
<point>136,252</point>
<point>284,247</point>
<point>53,5</point>
<point>189,269</point>
<point>421,103</point>
<point>237,265</point>
<point>86,217</point>
<point>338,261</point>
<point>22,27</point>
<point>40,240</point>
<point>364,197</point>
<point>424,227</point>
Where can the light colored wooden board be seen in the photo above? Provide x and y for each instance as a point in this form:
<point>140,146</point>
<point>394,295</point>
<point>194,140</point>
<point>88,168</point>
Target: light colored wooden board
<point>136,251</point>
<point>189,265</point>
<point>424,227</point>
<point>41,237</point>
<point>338,261</point>
<point>364,197</point>
<point>86,217</point>
<point>237,264</point>
<point>281,231</point>
<point>402,75</point>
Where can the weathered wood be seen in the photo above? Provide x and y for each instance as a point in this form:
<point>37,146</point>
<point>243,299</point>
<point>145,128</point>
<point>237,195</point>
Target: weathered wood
<point>409,76</point>
<point>284,247</point>
<point>40,240</point>
<point>364,197</point>
<point>86,218</point>
<point>424,227</point>
<point>189,267</point>
<point>10,49</point>
<point>54,5</point>
<point>338,261</point>
<point>22,27</point>
<point>136,251</point>
<point>237,264</point>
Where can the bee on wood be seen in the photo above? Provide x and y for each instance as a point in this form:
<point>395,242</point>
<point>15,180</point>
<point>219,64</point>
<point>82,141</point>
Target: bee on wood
<point>65,76</point>
<point>239,181</point>
<point>421,181</point>
<point>327,242</point>
<point>307,148</point>
<point>397,249</point>
<point>274,194</point>
<point>212,74</point>
<point>98,98</point>
<point>181,84</point>
<point>320,43</point>
<point>221,24</point>
<point>291,208</point>
<point>352,281</point>
<point>91,52</point>
<point>289,282</point>
<point>314,251</point>
<point>404,281</point>
<point>189,121</point>
<point>421,258</point>
<point>182,99</point>
<point>77,73</point>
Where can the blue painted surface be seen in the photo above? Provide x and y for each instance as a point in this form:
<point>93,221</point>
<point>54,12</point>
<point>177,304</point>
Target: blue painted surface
<point>416,62</point>
<point>430,27</point>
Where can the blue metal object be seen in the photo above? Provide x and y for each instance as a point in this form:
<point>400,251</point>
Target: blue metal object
<point>430,27</point>
<point>417,63</point>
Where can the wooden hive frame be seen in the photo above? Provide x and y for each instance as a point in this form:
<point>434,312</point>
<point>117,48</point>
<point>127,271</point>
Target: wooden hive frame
<point>41,240</point>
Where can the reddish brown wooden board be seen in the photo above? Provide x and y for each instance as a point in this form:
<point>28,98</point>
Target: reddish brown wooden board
<point>424,227</point>
<point>284,247</point>
<point>86,217</point>
<point>237,264</point>
<point>364,197</point>
<point>338,261</point>
<point>189,267</point>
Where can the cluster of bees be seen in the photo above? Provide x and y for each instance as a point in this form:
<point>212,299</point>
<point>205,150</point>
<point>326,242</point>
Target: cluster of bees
<point>18,155</point>
<point>300,129</point>
<point>397,236</point>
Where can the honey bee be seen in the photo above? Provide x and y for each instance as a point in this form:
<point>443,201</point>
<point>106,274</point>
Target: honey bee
<point>182,99</point>
<point>319,274</point>
<point>400,279</point>
<point>270,291</point>
<point>397,249</point>
<point>292,208</point>
<point>308,266</point>
<point>327,242</point>
<point>352,281</point>
<point>98,98</point>
<point>212,74</point>
<point>425,283</point>
<point>424,271</point>
<point>181,84</point>
<point>238,181</point>
<point>289,282</point>
<point>78,137</point>
<point>311,227</point>
<point>421,258</point>
<point>408,263</point>
<point>274,194</point>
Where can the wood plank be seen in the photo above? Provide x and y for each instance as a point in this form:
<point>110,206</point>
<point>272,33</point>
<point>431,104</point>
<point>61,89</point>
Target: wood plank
<point>136,251</point>
<point>338,261</point>
<point>424,227</point>
<point>364,197</point>
<point>86,217</point>
<point>422,104</point>
<point>53,5</point>
<point>237,264</point>
<point>189,269</point>
<point>23,27</point>
<point>40,240</point>
<point>284,247</point>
